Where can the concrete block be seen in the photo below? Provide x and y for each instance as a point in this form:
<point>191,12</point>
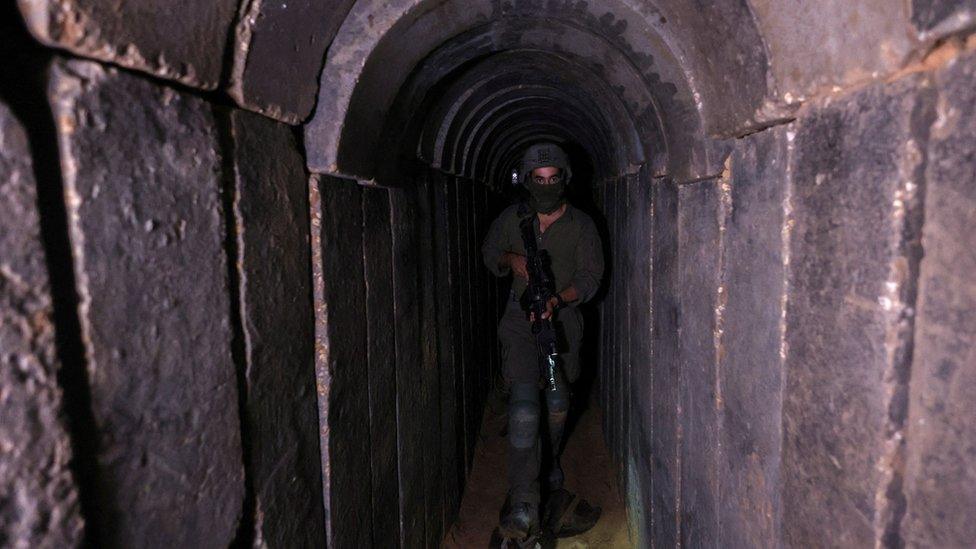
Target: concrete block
<point>700,223</point>
<point>142,183</point>
<point>937,18</point>
<point>665,401</point>
<point>430,383</point>
<point>341,347</point>
<point>39,504</point>
<point>283,42</point>
<point>271,213</point>
<point>940,482</point>
<point>183,41</point>
<point>749,338</point>
<point>411,422</point>
<point>857,168</point>
<point>816,45</point>
<point>451,407</point>
<point>639,460</point>
<point>381,358</point>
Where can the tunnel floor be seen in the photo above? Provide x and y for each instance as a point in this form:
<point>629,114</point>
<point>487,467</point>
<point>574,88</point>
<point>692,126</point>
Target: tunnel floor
<point>589,472</point>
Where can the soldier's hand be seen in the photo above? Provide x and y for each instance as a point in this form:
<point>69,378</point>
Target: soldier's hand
<point>517,264</point>
<point>550,307</point>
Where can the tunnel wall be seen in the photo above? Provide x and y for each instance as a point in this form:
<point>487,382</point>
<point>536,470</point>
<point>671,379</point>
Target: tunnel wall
<point>164,379</point>
<point>797,325</point>
<point>803,334</point>
<point>166,343</point>
<point>402,370</point>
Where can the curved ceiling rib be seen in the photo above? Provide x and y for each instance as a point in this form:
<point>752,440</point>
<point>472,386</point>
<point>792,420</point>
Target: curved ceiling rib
<point>640,71</point>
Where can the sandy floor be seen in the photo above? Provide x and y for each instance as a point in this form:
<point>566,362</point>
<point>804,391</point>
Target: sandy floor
<point>588,473</point>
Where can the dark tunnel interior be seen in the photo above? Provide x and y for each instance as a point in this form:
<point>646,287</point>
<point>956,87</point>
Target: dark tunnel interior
<point>448,144</point>
<point>243,300</point>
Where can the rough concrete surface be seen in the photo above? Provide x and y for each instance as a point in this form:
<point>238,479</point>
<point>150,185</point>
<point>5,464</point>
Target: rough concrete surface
<point>665,401</point>
<point>142,182</point>
<point>39,499</point>
<point>856,172</point>
<point>700,221</point>
<point>940,481</point>
<point>934,18</point>
<point>340,355</point>
<point>183,41</point>
<point>409,384</point>
<point>382,370</point>
<point>749,340</point>
<point>281,421</point>
<point>817,45</point>
<point>269,32</point>
<point>639,462</point>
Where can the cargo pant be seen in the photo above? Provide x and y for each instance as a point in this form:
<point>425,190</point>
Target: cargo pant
<point>520,366</point>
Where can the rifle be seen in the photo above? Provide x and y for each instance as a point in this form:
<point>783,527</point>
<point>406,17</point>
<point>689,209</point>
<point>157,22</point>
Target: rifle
<point>540,289</point>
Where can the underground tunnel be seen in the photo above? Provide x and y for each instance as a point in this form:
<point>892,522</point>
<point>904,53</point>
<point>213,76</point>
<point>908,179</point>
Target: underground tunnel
<point>244,301</point>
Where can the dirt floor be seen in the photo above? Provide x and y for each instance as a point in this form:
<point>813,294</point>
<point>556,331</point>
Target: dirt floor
<point>588,470</point>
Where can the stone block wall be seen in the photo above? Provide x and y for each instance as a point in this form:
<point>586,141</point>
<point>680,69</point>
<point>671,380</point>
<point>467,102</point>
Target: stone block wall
<point>784,341</point>
<point>159,356</point>
<point>162,386</point>
<point>810,361</point>
<point>40,503</point>
<point>402,375</point>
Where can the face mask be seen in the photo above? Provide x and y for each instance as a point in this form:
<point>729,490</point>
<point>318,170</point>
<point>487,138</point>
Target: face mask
<point>546,198</point>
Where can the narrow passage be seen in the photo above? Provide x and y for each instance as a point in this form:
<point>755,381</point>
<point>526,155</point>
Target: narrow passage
<point>589,473</point>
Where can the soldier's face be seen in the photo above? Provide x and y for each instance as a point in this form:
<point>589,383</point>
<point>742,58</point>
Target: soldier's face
<point>546,176</point>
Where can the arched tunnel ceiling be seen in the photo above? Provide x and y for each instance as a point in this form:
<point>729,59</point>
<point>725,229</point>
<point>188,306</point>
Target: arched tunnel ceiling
<point>665,66</point>
<point>462,132</point>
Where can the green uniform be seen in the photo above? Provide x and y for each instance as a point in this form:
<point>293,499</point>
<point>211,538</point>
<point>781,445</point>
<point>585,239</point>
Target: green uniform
<point>576,259</point>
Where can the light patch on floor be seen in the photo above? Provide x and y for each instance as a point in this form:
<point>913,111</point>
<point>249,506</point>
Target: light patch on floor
<point>589,473</point>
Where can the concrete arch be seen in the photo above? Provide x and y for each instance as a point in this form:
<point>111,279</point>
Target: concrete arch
<point>510,81</point>
<point>653,57</point>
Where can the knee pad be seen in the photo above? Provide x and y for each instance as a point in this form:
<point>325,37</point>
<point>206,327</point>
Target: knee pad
<point>557,401</point>
<point>523,417</point>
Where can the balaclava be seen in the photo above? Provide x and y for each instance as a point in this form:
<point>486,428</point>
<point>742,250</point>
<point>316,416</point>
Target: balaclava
<point>545,198</point>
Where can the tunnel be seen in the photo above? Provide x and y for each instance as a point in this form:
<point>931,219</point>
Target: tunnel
<point>244,301</point>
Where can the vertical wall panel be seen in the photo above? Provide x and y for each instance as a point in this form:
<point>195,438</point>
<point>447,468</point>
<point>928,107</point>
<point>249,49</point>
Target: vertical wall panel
<point>623,317</point>
<point>639,460</point>
<point>381,366</point>
<point>451,443</point>
<point>468,314</point>
<point>940,478</point>
<point>603,353</point>
<point>409,357</point>
<point>609,304</point>
<point>37,450</point>
<point>430,382</point>
<point>142,177</point>
<point>666,439</point>
<point>698,244</point>
<point>856,166</point>
<point>341,350</point>
<point>271,213</point>
<point>750,360</point>
<point>454,216</point>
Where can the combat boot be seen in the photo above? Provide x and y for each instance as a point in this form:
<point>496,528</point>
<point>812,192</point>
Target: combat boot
<point>519,521</point>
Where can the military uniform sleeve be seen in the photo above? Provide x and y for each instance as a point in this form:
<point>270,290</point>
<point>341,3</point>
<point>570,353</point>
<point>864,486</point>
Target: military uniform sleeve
<point>495,245</point>
<point>589,261</point>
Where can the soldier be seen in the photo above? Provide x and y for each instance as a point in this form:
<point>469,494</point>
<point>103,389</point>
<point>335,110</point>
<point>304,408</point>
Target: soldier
<point>576,259</point>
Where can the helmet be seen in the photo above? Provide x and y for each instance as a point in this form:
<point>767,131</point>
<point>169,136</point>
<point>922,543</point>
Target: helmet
<point>545,155</point>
